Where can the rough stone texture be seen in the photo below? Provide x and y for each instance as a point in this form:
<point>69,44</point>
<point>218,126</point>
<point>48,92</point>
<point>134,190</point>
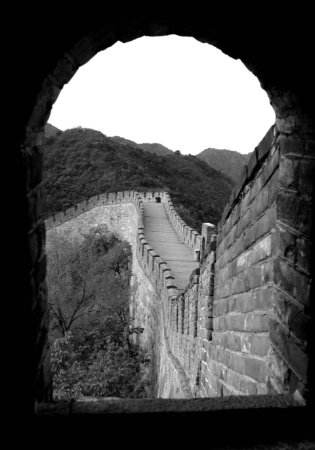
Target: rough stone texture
<point>276,46</point>
<point>249,304</point>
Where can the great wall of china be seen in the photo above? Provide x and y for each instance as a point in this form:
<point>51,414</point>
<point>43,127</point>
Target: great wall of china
<point>238,326</point>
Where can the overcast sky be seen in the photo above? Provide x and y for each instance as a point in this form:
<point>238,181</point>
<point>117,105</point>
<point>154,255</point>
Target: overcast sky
<point>171,90</point>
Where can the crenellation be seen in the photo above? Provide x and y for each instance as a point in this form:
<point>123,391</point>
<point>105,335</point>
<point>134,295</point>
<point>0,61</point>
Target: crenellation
<point>240,326</point>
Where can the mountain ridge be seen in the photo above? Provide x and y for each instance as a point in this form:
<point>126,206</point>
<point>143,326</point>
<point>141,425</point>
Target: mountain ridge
<point>228,162</point>
<point>80,163</point>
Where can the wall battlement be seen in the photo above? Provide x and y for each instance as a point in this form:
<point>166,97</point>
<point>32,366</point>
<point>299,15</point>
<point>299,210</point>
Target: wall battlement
<point>240,326</point>
<point>147,264</point>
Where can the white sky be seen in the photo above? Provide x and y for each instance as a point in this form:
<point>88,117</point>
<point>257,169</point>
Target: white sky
<point>171,90</point>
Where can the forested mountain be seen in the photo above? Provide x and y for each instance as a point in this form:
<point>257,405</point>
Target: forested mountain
<point>228,162</point>
<point>80,163</point>
<point>158,149</point>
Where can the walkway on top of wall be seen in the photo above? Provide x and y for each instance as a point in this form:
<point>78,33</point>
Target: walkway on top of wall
<point>162,237</point>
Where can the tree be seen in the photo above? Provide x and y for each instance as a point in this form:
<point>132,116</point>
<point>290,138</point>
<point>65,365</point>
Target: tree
<point>88,292</point>
<point>86,279</point>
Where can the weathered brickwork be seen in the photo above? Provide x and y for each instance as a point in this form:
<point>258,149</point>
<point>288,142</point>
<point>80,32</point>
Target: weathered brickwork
<point>241,325</point>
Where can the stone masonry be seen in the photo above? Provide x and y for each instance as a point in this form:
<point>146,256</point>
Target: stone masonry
<point>239,327</point>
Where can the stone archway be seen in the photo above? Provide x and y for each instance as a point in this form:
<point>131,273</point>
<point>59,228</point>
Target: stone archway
<point>286,76</point>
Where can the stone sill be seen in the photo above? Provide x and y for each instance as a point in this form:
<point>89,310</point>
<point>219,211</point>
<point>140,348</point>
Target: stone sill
<point>115,405</point>
<point>260,422</point>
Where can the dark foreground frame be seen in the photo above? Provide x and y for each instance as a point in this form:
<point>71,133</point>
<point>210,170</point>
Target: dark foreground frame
<point>48,50</point>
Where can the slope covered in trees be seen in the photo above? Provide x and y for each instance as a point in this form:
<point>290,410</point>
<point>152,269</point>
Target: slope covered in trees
<point>80,163</point>
<point>228,162</point>
<point>90,325</point>
<point>158,149</point>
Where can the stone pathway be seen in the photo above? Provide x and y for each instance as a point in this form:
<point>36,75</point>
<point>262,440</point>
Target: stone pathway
<point>162,237</point>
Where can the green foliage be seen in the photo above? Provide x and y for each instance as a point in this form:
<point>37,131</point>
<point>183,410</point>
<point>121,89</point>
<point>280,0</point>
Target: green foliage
<point>87,280</point>
<point>88,294</point>
<point>80,163</point>
<point>97,366</point>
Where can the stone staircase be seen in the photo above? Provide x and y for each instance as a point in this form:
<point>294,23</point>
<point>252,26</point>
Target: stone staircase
<point>162,237</point>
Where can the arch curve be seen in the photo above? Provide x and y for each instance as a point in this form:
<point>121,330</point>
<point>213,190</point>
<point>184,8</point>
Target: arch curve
<point>284,71</point>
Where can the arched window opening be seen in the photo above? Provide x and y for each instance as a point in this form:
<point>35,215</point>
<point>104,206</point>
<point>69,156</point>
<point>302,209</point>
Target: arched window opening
<point>177,310</point>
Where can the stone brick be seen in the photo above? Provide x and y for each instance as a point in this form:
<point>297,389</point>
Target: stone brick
<point>291,316</point>
<point>238,285</point>
<point>245,342</point>
<point>273,187</point>
<point>279,371</point>
<point>256,322</point>
<point>237,362</point>
<point>265,223</point>
<point>224,357</point>
<point>237,248</point>
<point>261,250</point>
<point>270,167</point>
<point>286,243</point>
<point>268,271</point>
<point>244,302</point>
<point>236,213</point>
<point>233,268</point>
<point>291,352</point>
<point>295,211</point>
<point>243,222</point>
<point>226,289</point>
<point>255,368</point>
<point>231,236</point>
<point>233,379</point>
<point>241,262</point>
<point>288,173</point>
<point>250,236</point>
<point>253,278</point>
<point>252,163</point>
<point>292,281</point>
<point>265,144</point>
<point>292,146</point>
<point>260,344</point>
<point>248,387</point>
<point>306,180</point>
<point>233,341</point>
<point>303,253</point>
<point>219,388</point>
<point>255,188</point>
<point>262,298</point>
<point>259,205</point>
<point>220,307</point>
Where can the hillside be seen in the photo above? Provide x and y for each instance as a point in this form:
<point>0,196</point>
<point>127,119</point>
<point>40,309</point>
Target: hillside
<point>228,162</point>
<point>158,149</point>
<point>80,163</point>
